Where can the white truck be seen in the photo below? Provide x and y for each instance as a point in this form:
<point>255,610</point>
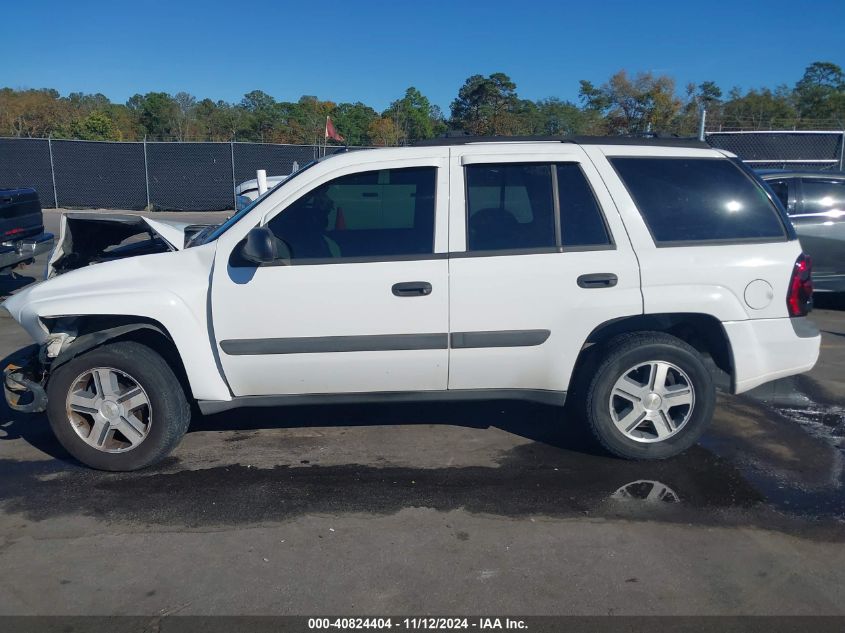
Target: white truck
<point>615,270</point>
<point>248,191</point>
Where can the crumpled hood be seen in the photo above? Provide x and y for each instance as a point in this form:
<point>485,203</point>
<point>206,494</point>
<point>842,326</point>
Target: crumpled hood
<point>90,238</point>
<point>170,230</point>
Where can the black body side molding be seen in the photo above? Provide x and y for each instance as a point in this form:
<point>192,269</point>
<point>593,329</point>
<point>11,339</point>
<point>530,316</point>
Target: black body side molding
<point>552,398</point>
<point>383,342</point>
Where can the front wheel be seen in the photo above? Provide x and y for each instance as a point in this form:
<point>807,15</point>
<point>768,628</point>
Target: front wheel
<point>118,407</point>
<point>651,398</point>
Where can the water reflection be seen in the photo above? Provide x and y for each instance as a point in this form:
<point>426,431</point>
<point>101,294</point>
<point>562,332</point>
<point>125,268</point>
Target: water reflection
<point>647,490</point>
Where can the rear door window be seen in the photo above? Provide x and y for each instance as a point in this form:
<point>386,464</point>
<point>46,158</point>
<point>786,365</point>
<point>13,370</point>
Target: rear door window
<point>826,197</point>
<point>510,207</point>
<point>686,200</point>
<point>581,220</point>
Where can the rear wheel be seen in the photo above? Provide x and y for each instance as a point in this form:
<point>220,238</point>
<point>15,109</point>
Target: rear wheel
<point>117,407</point>
<point>651,397</point>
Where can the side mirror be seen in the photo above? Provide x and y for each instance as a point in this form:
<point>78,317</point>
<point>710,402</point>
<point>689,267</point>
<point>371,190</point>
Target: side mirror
<point>260,246</point>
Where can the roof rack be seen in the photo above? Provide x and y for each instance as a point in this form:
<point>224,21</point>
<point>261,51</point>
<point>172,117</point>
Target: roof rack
<point>655,140</point>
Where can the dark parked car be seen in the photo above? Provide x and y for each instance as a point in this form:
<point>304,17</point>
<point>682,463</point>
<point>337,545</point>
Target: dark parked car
<point>815,202</point>
<point>22,235</point>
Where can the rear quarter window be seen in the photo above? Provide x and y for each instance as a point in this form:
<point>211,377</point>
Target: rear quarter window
<point>699,200</point>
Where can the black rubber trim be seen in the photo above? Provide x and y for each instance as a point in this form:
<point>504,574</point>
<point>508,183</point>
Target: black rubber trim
<point>326,344</point>
<point>576,140</point>
<point>543,250</point>
<point>804,327</point>
<point>499,338</point>
<point>87,342</point>
<point>383,342</point>
<point>542,396</point>
<point>725,242</point>
<point>322,261</point>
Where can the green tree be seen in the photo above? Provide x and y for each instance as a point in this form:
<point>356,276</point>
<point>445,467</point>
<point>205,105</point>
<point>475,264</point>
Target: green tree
<point>307,119</point>
<point>353,121</point>
<point>97,126</point>
<point>706,95</point>
<point>820,93</point>
<point>185,115</point>
<point>414,116</point>
<point>263,114</point>
<point>384,132</point>
<point>485,105</point>
<point>560,117</point>
<point>759,109</point>
<point>643,103</point>
<point>30,112</point>
<point>156,112</point>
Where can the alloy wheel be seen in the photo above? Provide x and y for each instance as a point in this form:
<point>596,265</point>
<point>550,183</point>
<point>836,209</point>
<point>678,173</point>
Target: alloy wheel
<point>109,410</point>
<point>652,401</point>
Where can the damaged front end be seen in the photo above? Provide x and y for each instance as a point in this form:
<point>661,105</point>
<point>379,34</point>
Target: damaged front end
<point>92,238</point>
<point>23,380</point>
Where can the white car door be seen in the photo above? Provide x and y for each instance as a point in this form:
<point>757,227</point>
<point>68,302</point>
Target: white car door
<point>538,259</point>
<point>362,304</point>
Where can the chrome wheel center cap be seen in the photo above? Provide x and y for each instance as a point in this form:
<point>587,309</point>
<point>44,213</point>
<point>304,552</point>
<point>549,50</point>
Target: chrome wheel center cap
<point>109,410</point>
<point>652,402</point>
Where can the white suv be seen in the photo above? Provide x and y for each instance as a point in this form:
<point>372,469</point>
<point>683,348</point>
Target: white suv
<point>609,269</point>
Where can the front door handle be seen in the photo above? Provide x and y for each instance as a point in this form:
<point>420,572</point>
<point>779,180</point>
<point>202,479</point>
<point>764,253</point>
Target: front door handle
<point>598,280</point>
<point>412,289</point>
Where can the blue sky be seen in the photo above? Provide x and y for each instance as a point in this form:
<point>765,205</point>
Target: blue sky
<point>371,51</point>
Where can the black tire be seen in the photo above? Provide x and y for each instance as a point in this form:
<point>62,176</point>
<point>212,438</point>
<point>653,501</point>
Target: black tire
<point>627,351</point>
<point>171,413</point>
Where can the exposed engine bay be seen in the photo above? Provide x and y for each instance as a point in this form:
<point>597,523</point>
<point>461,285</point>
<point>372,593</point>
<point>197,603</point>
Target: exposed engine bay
<point>93,238</point>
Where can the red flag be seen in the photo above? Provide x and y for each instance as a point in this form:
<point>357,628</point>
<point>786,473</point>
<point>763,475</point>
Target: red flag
<point>331,132</point>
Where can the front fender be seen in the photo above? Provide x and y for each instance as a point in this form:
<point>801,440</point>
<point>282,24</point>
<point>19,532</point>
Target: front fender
<point>170,289</point>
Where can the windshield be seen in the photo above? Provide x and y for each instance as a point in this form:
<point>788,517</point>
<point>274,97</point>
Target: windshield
<point>220,230</point>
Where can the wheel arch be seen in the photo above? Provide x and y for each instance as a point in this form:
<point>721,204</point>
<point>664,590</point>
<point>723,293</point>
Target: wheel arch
<point>704,332</point>
<point>96,331</point>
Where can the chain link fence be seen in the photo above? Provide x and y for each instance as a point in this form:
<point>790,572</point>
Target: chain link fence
<point>162,175</point>
<point>814,150</point>
<point>202,176</point>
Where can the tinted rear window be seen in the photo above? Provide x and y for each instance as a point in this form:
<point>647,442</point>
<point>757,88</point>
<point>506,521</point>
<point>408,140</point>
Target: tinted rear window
<point>824,197</point>
<point>698,199</point>
<point>581,220</point>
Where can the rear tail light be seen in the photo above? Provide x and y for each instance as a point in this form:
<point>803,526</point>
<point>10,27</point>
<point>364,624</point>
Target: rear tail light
<point>799,298</point>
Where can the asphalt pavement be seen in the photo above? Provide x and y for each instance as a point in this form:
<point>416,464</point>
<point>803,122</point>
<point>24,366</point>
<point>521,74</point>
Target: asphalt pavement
<point>483,508</point>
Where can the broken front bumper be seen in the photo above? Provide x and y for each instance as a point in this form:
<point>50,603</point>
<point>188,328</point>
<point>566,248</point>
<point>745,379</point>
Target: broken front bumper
<point>23,381</point>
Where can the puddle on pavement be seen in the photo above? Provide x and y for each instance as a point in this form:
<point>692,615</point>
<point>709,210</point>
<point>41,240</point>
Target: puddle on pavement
<point>799,399</point>
<point>756,467</point>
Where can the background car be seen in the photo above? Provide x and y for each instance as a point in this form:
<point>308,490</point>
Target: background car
<point>247,192</point>
<point>22,236</point>
<point>815,202</point>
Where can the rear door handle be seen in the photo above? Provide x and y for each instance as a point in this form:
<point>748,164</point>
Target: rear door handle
<point>412,289</point>
<point>598,280</point>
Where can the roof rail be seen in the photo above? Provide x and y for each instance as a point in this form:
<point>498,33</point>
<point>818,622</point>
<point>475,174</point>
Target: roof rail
<point>659,141</point>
